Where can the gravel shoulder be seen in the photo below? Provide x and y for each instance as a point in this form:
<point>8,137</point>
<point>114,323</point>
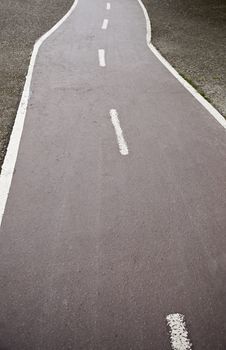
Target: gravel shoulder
<point>22,22</point>
<point>192,36</point>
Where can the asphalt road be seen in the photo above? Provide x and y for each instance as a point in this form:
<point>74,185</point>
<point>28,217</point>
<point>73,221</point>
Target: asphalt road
<point>97,247</point>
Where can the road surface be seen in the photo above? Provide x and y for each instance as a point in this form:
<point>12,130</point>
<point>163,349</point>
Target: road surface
<point>116,214</point>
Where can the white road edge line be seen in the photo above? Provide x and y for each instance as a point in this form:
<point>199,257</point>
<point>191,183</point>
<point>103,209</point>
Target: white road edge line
<point>108,6</point>
<point>105,24</point>
<point>13,146</point>
<point>219,117</point>
<point>123,149</point>
<point>101,55</point>
<point>178,332</point>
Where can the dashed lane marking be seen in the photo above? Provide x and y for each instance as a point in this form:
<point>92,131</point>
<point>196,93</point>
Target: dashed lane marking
<point>178,332</point>
<point>101,54</point>
<point>123,149</point>
<point>108,6</point>
<point>105,24</point>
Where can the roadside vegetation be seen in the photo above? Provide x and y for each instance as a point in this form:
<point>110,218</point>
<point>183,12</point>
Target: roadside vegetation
<point>22,22</point>
<point>191,35</point>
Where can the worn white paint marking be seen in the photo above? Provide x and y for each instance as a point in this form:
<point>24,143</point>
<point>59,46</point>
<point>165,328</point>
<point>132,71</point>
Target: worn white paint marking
<point>105,24</point>
<point>123,149</point>
<point>101,54</point>
<point>108,6</point>
<point>13,147</point>
<point>219,117</point>
<point>178,332</point>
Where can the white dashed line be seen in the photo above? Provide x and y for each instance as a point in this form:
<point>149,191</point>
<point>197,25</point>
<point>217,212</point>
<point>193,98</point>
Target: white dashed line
<point>108,6</point>
<point>123,149</point>
<point>178,332</point>
<point>101,54</point>
<point>105,24</point>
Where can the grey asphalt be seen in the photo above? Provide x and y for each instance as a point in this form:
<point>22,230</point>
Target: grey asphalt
<point>98,248</point>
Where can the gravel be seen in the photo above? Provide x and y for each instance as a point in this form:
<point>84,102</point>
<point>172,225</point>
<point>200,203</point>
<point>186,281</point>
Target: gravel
<point>191,34</point>
<point>22,22</point>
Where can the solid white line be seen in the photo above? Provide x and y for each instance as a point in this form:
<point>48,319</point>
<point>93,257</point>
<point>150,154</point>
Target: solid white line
<point>13,147</point>
<point>123,149</point>
<point>108,6</point>
<point>178,332</point>
<point>101,54</point>
<point>105,24</point>
<point>219,117</point>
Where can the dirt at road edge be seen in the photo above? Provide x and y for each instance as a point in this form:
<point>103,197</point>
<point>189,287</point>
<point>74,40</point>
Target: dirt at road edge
<point>191,35</point>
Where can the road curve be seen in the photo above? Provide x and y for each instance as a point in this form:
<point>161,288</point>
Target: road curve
<point>115,219</point>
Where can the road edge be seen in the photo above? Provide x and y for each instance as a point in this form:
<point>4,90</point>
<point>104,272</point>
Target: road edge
<point>208,106</point>
<point>14,142</point>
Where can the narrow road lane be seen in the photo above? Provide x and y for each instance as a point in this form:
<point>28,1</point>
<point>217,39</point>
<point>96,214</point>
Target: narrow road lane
<point>115,219</point>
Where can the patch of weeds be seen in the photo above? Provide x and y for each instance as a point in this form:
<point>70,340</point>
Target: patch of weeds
<point>200,91</point>
<point>196,86</point>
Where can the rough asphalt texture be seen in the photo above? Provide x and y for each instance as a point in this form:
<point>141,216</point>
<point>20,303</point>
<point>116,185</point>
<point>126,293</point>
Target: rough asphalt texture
<point>191,34</point>
<point>21,23</point>
<point>97,248</point>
